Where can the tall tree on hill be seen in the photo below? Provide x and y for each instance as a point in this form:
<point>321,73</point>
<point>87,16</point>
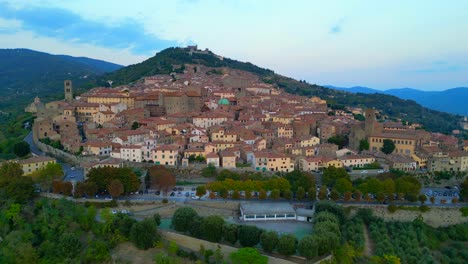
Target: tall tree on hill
<point>21,149</point>
<point>388,146</point>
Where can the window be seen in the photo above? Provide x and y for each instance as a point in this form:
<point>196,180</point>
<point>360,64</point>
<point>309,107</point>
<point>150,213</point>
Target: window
<point>249,216</point>
<point>290,215</point>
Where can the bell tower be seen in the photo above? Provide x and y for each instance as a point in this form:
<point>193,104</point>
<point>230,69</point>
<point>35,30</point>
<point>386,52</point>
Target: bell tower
<point>370,122</point>
<point>68,91</point>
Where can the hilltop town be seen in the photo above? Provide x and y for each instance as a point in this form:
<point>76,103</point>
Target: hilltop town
<point>230,118</point>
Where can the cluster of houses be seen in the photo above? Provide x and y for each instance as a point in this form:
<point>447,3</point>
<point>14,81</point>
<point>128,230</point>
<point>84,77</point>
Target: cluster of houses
<point>227,119</point>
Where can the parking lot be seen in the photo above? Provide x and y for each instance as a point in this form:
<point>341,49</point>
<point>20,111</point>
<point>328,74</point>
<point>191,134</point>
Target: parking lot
<point>441,195</point>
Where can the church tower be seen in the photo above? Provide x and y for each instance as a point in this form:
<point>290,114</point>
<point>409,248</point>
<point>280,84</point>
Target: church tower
<point>370,122</point>
<point>68,91</point>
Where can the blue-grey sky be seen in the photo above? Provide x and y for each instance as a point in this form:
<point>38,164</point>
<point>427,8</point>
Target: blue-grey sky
<point>379,44</point>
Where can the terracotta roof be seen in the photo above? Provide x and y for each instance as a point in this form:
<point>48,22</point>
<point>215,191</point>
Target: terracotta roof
<point>36,159</point>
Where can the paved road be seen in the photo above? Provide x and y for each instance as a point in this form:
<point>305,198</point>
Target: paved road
<point>34,149</point>
<point>71,175</point>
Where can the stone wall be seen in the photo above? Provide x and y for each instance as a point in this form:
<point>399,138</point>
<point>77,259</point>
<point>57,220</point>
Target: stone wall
<point>62,155</point>
<point>435,217</point>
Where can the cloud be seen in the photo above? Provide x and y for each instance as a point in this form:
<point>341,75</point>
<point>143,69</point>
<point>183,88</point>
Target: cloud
<point>67,26</point>
<point>337,27</point>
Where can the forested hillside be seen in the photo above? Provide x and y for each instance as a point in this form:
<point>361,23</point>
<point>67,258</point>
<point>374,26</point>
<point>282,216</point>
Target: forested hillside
<point>26,73</point>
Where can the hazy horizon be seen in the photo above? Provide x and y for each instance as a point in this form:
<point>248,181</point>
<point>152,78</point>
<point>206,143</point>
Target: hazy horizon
<point>413,44</point>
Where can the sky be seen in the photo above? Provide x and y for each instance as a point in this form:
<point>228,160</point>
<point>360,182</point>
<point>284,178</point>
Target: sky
<point>378,44</point>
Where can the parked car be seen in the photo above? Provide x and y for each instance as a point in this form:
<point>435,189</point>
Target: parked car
<point>114,211</point>
<point>125,211</point>
<point>195,197</point>
<point>364,171</point>
<point>380,171</point>
<point>108,198</point>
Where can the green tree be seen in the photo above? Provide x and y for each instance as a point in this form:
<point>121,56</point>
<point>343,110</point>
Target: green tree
<point>287,244</point>
<point>464,190</point>
<point>247,255</point>
<point>223,193</point>
<point>213,228</point>
<point>70,245</point>
<point>388,146</point>
<point>21,149</point>
<point>201,191</point>
<point>46,175</point>
<point>308,247</point>
<point>312,194</point>
<point>322,195</point>
<point>300,193</point>
<point>209,171</point>
<point>157,219</point>
<point>235,195</point>
<point>334,195</point>
<point>196,227</point>
<point>339,140</point>
<point>182,218</point>
<point>268,241</point>
<point>262,195</point>
<point>275,194</point>
<point>422,198</point>
<point>298,179</point>
<point>249,236</point>
<point>19,190</point>
<point>135,125</point>
<point>363,144</point>
<point>287,194</point>
<point>357,195</point>
<point>144,234</point>
<point>115,188</point>
<point>332,174</point>
<point>230,233</point>
<point>9,170</point>
<point>343,185</point>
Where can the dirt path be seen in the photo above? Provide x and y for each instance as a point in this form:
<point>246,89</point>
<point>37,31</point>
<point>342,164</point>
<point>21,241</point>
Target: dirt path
<point>368,244</point>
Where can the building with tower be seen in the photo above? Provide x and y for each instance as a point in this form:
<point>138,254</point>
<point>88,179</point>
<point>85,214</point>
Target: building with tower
<point>68,89</point>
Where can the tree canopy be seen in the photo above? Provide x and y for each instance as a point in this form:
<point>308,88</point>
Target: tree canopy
<point>388,146</point>
<point>102,177</point>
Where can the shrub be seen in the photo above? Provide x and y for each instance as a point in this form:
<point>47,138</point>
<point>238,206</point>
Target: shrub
<point>424,208</point>
<point>212,227</point>
<point>269,240</point>
<point>182,218</point>
<point>392,208</point>
<point>249,236</point>
<point>230,233</point>
<point>287,244</point>
<point>144,234</point>
<point>464,211</point>
<point>308,247</point>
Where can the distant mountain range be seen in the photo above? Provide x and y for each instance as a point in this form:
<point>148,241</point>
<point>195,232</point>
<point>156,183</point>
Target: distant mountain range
<point>26,73</point>
<point>453,100</point>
